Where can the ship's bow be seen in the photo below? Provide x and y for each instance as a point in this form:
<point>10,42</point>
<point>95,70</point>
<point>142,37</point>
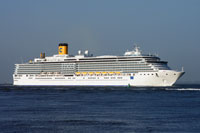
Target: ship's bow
<point>170,77</point>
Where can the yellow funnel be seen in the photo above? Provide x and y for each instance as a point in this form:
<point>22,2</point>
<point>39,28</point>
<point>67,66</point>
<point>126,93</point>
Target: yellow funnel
<point>63,49</point>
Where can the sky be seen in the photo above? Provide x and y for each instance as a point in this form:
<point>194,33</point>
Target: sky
<point>170,28</point>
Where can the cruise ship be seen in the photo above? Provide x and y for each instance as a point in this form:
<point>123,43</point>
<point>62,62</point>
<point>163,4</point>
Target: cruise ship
<point>131,69</point>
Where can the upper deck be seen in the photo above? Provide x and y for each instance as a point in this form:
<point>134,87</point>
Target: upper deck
<point>131,62</point>
<point>134,55</point>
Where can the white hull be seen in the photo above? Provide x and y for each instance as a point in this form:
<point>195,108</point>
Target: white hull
<point>160,78</point>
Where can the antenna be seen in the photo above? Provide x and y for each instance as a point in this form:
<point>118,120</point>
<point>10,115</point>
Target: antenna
<point>135,45</point>
<point>182,69</point>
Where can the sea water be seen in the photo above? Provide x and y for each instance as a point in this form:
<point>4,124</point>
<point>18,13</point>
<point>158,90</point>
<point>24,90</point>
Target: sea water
<point>100,109</point>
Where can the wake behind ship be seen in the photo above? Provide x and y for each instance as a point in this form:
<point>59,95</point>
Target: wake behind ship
<point>131,69</point>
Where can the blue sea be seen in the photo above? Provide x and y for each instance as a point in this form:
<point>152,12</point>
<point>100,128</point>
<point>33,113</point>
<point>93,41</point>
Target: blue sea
<point>100,109</point>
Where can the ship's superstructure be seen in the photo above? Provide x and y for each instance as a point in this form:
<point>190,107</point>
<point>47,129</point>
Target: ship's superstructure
<point>131,69</point>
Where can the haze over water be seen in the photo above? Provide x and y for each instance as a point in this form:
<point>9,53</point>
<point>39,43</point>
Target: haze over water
<point>169,28</point>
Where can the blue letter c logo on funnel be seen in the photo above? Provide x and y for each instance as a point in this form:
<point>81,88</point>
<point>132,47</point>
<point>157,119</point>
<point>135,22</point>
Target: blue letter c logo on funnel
<point>60,50</point>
